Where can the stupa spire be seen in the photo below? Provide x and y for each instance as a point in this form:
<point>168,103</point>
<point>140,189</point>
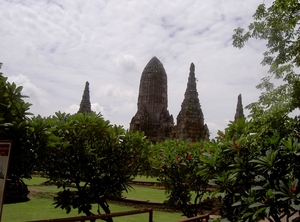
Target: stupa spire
<point>85,105</point>
<point>190,120</point>
<point>239,108</point>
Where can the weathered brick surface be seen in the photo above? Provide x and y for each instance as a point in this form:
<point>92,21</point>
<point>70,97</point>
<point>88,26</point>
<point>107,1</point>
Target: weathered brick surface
<point>153,116</point>
<point>190,120</point>
<point>85,105</point>
<point>239,109</point>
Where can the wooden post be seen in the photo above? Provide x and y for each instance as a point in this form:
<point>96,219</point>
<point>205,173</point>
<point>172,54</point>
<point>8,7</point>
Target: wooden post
<point>150,215</point>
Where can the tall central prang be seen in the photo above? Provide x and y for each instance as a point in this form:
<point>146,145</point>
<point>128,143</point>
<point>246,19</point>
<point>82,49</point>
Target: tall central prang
<point>152,115</point>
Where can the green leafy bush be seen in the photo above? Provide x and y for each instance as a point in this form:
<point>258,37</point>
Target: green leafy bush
<point>175,163</point>
<point>14,127</point>
<point>86,152</point>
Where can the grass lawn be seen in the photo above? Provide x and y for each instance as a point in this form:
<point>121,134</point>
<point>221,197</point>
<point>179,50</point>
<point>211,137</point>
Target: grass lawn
<point>145,179</point>
<point>41,206</point>
<point>144,193</point>
<point>36,209</point>
<point>35,180</point>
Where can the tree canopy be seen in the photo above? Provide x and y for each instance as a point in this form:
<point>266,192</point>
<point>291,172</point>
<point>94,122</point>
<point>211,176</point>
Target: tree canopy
<point>278,25</point>
<point>85,151</point>
<point>13,126</point>
<point>262,179</point>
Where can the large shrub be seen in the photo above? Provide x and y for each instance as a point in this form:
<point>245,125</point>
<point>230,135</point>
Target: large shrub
<point>256,177</point>
<point>175,164</point>
<point>14,126</point>
<point>86,152</point>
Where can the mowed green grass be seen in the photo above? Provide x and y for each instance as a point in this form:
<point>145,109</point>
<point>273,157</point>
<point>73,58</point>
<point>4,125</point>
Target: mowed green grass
<point>145,179</point>
<point>36,180</point>
<point>141,193</point>
<point>156,195</point>
<point>36,209</point>
<point>144,193</point>
<point>41,206</point>
<point>41,209</point>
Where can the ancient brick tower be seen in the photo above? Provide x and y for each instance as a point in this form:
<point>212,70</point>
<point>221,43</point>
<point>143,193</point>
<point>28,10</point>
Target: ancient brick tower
<point>85,105</point>
<point>190,120</point>
<point>152,115</point>
<point>239,109</point>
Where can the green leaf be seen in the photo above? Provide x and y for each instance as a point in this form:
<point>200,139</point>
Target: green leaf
<point>18,89</point>
<point>237,204</point>
<point>260,210</point>
<point>259,162</point>
<point>296,207</point>
<point>257,204</point>
<point>258,188</point>
<point>283,198</point>
<point>225,220</point>
<point>247,214</point>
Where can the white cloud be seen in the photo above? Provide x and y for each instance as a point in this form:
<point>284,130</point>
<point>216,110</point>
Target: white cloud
<point>37,96</point>
<point>59,45</point>
<point>72,109</point>
<point>127,64</point>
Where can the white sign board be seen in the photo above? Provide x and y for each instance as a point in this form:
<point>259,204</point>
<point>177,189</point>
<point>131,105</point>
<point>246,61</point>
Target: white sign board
<point>5,147</point>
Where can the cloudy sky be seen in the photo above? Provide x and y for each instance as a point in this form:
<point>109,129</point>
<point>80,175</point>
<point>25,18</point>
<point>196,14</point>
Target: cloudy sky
<point>52,47</point>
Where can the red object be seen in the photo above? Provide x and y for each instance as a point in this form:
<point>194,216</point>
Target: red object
<point>293,189</point>
<point>234,143</point>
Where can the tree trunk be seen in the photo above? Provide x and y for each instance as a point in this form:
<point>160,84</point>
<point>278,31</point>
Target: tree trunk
<point>103,204</point>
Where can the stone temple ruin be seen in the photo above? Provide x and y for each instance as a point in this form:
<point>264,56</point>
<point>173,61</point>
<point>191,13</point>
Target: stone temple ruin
<point>85,105</point>
<point>239,109</point>
<point>152,114</point>
<point>190,120</point>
